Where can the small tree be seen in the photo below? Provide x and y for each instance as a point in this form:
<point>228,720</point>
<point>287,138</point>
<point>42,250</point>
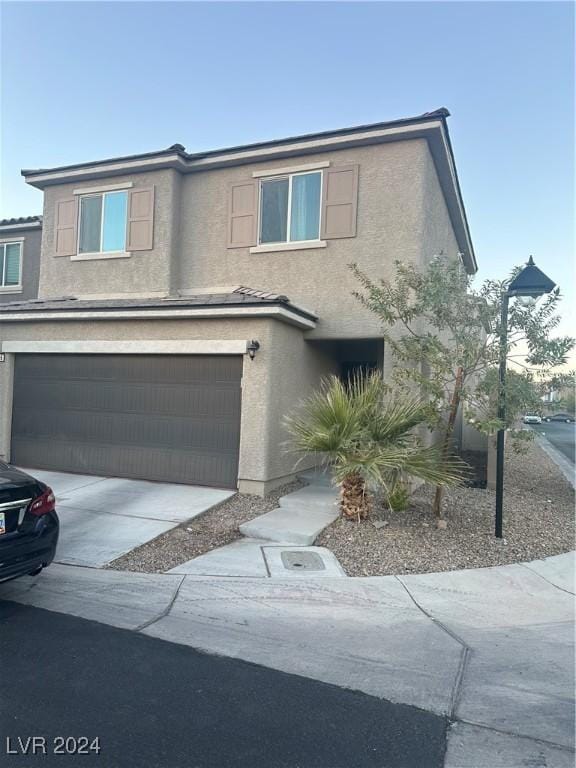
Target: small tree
<point>444,336</point>
<point>564,385</point>
<point>523,395</point>
<point>367,437</point>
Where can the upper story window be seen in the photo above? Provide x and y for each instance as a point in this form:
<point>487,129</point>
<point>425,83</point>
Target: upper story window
<point>10,265</point>
<point>103,222</point>
<point>290,208</point>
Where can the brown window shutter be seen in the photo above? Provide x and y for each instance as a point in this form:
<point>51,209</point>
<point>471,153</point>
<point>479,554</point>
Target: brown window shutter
<point>66,227</point>
<point>243,214</point>
<point>140,226</point>
<point>339,202</point>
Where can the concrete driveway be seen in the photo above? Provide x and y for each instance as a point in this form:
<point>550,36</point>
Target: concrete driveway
<point>104,517</point>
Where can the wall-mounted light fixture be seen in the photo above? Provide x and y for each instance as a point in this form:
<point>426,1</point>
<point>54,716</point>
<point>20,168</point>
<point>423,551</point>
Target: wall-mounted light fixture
<point>252,348</point>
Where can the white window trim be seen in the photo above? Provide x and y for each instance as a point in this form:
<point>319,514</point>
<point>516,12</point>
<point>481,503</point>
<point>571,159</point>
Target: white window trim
<point>277,246</point>
<point>101,255</point>
<point>297,245</point>
<point>103,188</point>
<point>88,255</point>
<point>291,169</point>
<point>18,287</point>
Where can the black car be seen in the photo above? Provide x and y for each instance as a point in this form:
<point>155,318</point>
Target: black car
<point>28,524</point>
<point>566,417</point>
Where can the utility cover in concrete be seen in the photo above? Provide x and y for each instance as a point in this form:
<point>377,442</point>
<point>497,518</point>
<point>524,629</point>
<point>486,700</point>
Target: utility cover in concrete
<point>302,560</point>
<point>310,562</point>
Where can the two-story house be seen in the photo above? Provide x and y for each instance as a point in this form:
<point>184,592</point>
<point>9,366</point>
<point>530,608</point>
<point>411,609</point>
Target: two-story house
<point>187,302</point>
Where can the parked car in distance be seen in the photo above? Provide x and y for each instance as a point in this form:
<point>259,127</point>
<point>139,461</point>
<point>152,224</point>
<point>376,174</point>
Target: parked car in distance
<point>566,417</point>
<point>532,418</point>
<point>29,524</point>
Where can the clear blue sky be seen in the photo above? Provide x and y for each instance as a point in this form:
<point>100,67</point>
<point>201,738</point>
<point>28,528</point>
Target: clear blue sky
<point>82,81</point>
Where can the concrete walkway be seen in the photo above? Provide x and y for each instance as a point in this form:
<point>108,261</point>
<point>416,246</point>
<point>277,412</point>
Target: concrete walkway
<point>105,517</point>
<point>491,649</point>
<point>279,542</point>
<point>300,517</point>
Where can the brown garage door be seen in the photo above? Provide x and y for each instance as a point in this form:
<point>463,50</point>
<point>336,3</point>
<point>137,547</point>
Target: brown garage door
<point>171,418</point>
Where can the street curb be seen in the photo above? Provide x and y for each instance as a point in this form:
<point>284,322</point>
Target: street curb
<point>561,461</point>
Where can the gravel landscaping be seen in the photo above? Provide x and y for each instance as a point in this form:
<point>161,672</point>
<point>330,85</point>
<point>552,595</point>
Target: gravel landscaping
<point>215,528</point>
<point>538,522</point>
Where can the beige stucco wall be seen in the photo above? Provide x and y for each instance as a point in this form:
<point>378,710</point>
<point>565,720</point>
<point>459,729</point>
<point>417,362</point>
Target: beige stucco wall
<point>390,225</point>
<point>285,369</point>
<point>401,215</point>
<point>293,368</point>
<point>145,273</point>
<point>437,232</point>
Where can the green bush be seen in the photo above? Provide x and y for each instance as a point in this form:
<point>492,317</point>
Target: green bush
<point>398,499</point>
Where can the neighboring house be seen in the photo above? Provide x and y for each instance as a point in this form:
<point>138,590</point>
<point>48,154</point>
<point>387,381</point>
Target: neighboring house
<point>159,271</point>
<point>553,396</point>
<point>19,258</point>
<point>563,394</point>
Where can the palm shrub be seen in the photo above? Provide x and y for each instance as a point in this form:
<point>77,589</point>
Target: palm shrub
<point>367,436</point>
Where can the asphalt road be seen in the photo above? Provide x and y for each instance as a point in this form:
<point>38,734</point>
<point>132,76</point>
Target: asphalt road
<point>561,435</point>
<point>154,704</point>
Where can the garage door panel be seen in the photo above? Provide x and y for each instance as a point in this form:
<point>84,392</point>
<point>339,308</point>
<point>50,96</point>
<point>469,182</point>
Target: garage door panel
<point>184,369</point>
<point>129,429</point>
<point>163,465</point>
<point>219,400</point>
<point>91,414</point>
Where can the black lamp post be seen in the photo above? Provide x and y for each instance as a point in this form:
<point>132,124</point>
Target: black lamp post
<point>531,282</point>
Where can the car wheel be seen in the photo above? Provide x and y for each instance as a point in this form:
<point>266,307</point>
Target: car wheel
<point>36,571</point>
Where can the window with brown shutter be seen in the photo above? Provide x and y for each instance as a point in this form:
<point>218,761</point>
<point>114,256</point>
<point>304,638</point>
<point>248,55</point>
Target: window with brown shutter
<point>65,229</point>
<point>140,228</point>
<point>242,214</point>
<point>339,202</point>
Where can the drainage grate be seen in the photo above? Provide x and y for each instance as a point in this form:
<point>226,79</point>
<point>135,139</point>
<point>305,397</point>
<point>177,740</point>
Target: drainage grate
<point>302,561</point>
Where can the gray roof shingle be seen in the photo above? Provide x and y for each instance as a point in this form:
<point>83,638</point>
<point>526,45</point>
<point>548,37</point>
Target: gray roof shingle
<point>241,296</point>
<point>21,220</point>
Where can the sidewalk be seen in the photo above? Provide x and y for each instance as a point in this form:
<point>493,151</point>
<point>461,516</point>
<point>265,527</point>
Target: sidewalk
<point>491,649</point>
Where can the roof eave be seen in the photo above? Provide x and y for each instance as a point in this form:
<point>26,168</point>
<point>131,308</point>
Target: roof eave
<point>20,227</point>
<point>281,311</point>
